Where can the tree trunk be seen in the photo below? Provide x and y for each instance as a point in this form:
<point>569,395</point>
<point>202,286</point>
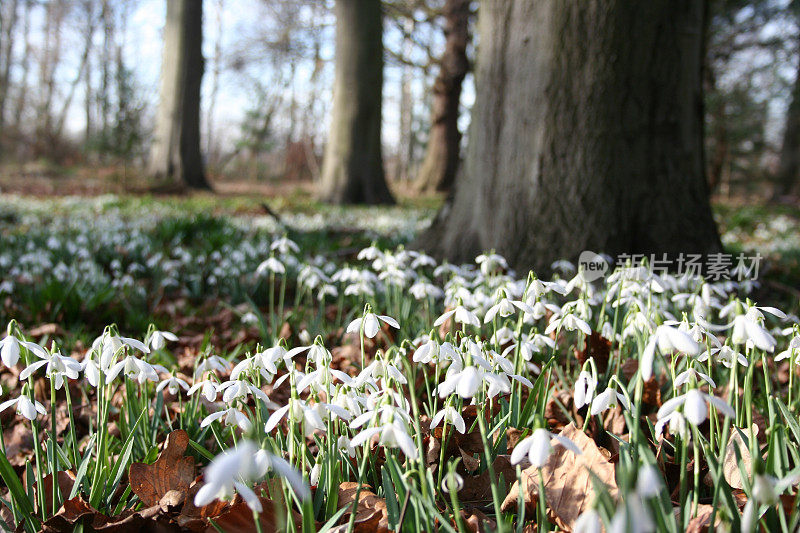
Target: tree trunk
<point>789,169</point>
<point>586,134</point>
<point>175,154</point>
<point>438,171</point>
<point>352,169</point>
<point>7,24</point>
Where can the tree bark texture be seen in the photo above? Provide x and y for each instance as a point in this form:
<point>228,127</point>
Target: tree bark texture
<point>442,156</point>
<point>586,134</point>
<point>175,154</point>
<point>352,169</point>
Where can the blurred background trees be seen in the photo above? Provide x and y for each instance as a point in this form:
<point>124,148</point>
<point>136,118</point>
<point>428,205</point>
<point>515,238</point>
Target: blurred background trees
<point>80,87</point>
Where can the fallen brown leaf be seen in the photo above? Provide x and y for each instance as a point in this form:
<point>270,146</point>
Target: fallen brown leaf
<point>239,519</point>
<point>569,490</point>
<point>371,513</point>
<point>171,471</point>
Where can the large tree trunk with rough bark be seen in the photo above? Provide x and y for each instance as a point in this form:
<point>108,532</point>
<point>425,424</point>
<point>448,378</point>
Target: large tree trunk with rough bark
<point>352,169</point>
<point>438,170</point>
<point>586,134</point>
<point>175,154</point>
<point>789,169</point>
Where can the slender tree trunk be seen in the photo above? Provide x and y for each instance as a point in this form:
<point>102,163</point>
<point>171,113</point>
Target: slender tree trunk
<point>789,169</point>
<point>9,23</point>
<point>175,154</point>
<point>24,66</point>
<point>352,169</point>
<point>82,67</point>
<point>586,134</point>
<point>438,171</point>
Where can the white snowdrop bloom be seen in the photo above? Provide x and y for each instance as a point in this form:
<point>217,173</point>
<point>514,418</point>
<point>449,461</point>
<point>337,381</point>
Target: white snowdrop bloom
<point>569,322</point>
<point>231,417</point>
<point>695,407</point>
<point>538,446</point>
<point>371,324</point>
<point>251,365</point>
<point>427,352</point>
<point>465,383</point>
<point>299,412</point>
<point>57,368</point>
<point>134,369</point>
<point>588,522</point>
<point>234,470</point>
<point>371,253</point>
<point>376,370</point>
<point>10,350</point>
<point>766,490</point>
<point>491,263</point>
<point>391,435</point>
<point>271,356</point>
<point>685,377</point>
<point>461,315</point>
<point>317,354</point>
<point>158,339</point>
<point>450,414</point>
<point>249,318</point>
<point>270,266</point>
<point>212,363</point>
<point>506,307</point>
<point>108,346</point>
<point>173,384</point>
<point>24,407</point>
<point>284,246</point>
<point>607,399</point>
<point>343,444</point>
<point>725,355</point>
<point>584,389</point>
<point>422,289</point>
<point>666,339</point>
<point>649,482</point>
<point>238,389</point>
<point>751,333</point>
<point>632,516</point>
<point>452,482</point>
<point>207,388</point>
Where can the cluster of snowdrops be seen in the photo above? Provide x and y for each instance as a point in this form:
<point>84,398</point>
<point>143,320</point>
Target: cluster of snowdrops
<point>440,353</point>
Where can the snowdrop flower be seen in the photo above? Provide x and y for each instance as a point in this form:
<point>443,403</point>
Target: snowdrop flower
<point>158,339</point>
<point>538,446</point>
<point>584,389</point>
<point>10,350</point>
<point>299,412</point>
<point>271,265</point>
<point>685,376</point>
<point>427,352</point>
<point>450,414</point>
<point>422,289</point>
<point>234,470</point>
<point>695,407</point>
<point>569,322</point>
<point>249,318</point>
<point>465,383</point>
<point>506,307</point>
<point>609,398</point>
<point>461,315</point>
<point>491,263</point>
<point>452,482</point>
<point>666,339</point>
<point>649,482</point>
<point>135,369</point>
<point>632,517</point>
<point>24,407</point>
<point>212,363</point>
<point>173,385</point>
<point>207,388</point>
<point>792,350</point>
<point>751,333</point>
<point>58,367</point>
<point>370,324</point>
<point>766,490</point>
<point>284,245</point>
<point>588,522</point>
<point>239,389</point>
<point>232,417</point>
<point>392,435</point>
